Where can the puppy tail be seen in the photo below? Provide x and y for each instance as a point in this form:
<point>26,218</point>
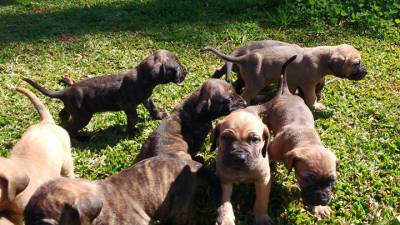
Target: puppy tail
<point>227,58</point>
<point>44,113</point>
<point>213,181</point>
<point>51,94</point>
<point>284,89</point>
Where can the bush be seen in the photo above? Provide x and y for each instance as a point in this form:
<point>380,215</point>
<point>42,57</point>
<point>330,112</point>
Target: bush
<point>377,17</point>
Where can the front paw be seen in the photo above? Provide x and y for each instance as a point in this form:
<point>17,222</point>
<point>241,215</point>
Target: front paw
<point>264,219</point>
<point>319,106</point>
<point>160,115</point>
<point>224,220</point>
<point>321,211</point>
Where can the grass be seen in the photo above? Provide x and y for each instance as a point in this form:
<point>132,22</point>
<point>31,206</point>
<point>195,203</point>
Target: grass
<point>44,40</point>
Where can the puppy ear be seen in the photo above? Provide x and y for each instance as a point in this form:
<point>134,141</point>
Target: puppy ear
<point>13,185</point>
<point>336,64</point>
<point>290,159</point>
<point>214,138</point>
<point>266,136</point>
<point>85,209</point>
<point>162,70</point>
<point>203,107</point>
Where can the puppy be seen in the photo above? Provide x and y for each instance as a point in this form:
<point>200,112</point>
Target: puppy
<point>261,66</point>
<point>242,157</point>
<point>159,190</point>
<point>124,91</point>
<point>298,146</point>
<point>42,153</point>
<point>185,130</point>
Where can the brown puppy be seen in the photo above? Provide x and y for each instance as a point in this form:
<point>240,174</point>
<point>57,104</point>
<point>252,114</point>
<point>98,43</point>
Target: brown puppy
<point>298,146</point>
<point>42,153</point>
<point>159,190</point>
<point>124,91</point>
<point>242,157</point>
<point>260,67</point>
<point>185,130</point>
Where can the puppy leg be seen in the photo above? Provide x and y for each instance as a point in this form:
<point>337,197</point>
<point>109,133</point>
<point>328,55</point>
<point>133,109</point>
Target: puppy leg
<point>249,92</point>
<point>67,169</point>
<point>260,208</point>
<point>154,112</point>
<point>64,116</point>
<point>309,95</point>
<point>225,211</point>
<point>131,114</point>
<point>76,123</point>
<point>321,211</point>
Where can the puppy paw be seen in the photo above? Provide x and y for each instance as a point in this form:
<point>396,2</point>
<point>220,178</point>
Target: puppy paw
<point>322,211</point>
<point>225,221</point>
<point>264,219</point>
<point>319,106</point>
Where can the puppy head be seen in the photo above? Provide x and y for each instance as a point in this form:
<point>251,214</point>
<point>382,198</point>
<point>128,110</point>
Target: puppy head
<point>13,181</point>
<point>163,67</point>
<point>217,98</point>
<point>242,140</point>
<point>315,173</point>
<point>64,202</point>
<point>345,62</point>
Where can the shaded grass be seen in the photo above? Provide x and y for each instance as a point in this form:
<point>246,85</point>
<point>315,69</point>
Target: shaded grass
<point>48,39</point>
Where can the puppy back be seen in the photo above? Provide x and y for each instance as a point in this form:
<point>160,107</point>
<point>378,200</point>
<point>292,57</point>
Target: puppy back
<point>44,113</point>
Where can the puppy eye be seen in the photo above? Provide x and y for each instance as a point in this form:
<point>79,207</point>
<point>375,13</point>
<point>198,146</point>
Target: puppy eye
<point>227,136</point>
<point>255,139</point>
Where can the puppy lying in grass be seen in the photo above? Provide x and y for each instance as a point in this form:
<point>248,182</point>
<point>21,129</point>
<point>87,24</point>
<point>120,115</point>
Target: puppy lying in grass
<point>158,190</point>
<point>42,153</point>
<point>124,91</point>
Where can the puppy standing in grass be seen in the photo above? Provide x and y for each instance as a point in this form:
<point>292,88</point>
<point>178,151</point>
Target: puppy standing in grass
<point>242,157</point>
<point>124,91</point>
<point>42,153</point>
<point>298,146</point>
<point>261,66</point>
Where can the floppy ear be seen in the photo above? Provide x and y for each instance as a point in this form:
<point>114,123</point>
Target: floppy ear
<point>85,209</point>
<point>290,159</point>
<point>13,185</point>
<point>203,107</point>
<point>214,137</point>
<point>266,142</point>
<point>336,64</point>
<point>162,71</point>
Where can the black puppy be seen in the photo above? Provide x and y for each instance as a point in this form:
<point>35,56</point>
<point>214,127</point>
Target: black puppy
<point>185,130</point>
<point>124,91</point>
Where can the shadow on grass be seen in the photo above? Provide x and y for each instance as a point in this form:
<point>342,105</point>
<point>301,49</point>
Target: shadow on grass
<point>102,138</point>
<point>163,19</point>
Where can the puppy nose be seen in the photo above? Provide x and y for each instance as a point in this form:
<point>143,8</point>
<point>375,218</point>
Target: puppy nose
<point>239,158</point>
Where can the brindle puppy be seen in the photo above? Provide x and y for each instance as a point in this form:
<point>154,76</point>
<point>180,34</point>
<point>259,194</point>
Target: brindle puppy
<point>186,128</point>
<point>124,91</point>
<point>159,190</point>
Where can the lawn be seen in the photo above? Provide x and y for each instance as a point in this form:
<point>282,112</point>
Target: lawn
<point>45,40</point>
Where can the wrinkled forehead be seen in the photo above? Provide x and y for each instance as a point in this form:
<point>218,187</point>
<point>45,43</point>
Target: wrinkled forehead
<point>163,55</point>
<point>243,123</point>
<point>320,163</point>
<point>216,86</point>
<point>349,51</point>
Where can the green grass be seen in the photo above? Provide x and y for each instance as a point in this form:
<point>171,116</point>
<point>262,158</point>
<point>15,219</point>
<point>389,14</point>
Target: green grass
<point>361,122</point>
